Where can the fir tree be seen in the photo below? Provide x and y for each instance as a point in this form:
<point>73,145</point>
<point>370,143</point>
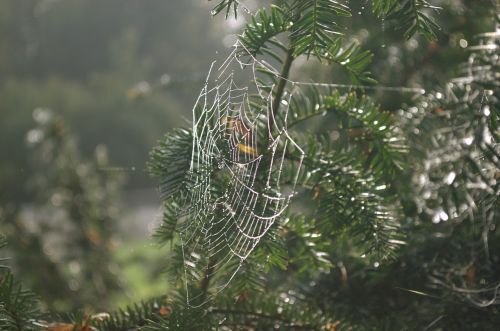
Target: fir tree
<point>365,224</point>
<point>391,222</point>
<point>64,249</point>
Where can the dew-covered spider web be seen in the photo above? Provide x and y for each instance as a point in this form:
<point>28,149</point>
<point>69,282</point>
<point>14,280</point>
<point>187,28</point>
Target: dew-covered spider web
<point>243,170</point>
<point>234,192</point>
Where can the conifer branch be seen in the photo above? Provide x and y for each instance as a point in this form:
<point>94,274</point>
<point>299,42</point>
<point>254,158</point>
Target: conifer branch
<point>283,79</point>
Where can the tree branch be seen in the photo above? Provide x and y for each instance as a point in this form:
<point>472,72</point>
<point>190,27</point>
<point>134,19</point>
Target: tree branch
<point>285,72</point>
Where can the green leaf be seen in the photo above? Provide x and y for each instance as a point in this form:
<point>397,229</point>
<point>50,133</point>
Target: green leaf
<point>410,15</point>
<point>227,6</point>
<point>316,26</point>
<point>259,36</point>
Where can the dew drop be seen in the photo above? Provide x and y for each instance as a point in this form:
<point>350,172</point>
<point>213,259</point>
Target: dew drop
<point>468,141</point>
<point>486,110</point>
<point>443,215</point>
<point>487,136</point>
<point>450,178</point>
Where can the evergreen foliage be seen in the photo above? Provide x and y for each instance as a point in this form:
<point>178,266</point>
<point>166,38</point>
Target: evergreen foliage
<point>354,201</point>
<point>18,307</point>
<point>82,237</point>
<point>394,222</point>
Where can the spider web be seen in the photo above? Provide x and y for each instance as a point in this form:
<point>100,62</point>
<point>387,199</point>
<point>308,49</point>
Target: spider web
<point>235,190</point>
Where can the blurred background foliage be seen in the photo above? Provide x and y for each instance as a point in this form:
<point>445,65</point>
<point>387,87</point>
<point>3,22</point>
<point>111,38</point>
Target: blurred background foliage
<point>77,77</point>
<point>87,87</point>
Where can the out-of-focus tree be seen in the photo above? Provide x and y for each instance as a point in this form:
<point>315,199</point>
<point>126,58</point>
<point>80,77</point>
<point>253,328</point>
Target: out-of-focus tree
<point>62,243</point>
<point>80,58</point>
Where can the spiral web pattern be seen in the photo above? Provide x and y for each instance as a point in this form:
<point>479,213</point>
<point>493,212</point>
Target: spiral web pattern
<point>234,192</point>
<point>239,149</point>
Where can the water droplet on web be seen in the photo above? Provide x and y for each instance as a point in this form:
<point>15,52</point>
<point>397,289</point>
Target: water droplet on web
<point>468,141</point>
<point>213,12</point>
<point>450,178</point>
<point>376,264</point>
<point>221,165</point>
<point>486,110</point>
<point>443,215</point>
<point>422,179</point>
